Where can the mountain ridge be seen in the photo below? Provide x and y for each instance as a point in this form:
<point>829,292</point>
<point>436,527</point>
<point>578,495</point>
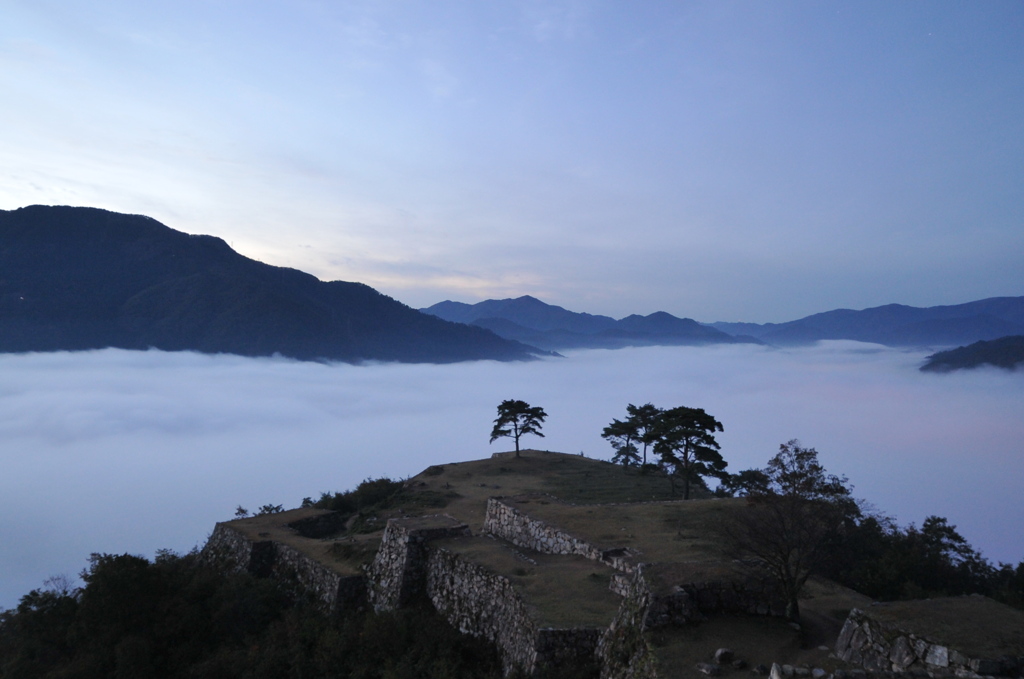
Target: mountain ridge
<point>76,278</point>
<point>897,324</point>
<point>529,320</point>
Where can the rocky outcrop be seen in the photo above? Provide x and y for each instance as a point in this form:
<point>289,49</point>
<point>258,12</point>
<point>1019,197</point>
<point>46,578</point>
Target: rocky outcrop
<point>882,646</point>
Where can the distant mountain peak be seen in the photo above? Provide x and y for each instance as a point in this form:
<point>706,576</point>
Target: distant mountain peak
<point>551,327</point>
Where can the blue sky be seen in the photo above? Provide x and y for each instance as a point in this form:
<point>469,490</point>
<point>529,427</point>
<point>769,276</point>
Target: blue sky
<point>717,160</point>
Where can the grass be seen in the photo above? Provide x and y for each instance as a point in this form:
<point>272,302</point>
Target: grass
<point>346,559</point>
<point>680,530</point>
<point>756,640</point>
<point>572,478</point>
<point>683,537</point>
<point>561,591</point>
<point>975,625</point>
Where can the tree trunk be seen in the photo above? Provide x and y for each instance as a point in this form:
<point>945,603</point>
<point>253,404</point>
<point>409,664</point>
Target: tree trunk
<point>793,609</point>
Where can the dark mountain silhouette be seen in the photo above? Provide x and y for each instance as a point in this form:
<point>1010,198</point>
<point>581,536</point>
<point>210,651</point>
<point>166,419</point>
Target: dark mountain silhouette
<point>529,320</point>
<point>1005,352</point>
<point>897,324</point>
<point>82,278</point>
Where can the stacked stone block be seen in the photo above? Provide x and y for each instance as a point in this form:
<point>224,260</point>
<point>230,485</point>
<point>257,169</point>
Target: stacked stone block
<point>882,647</point>
<point>398,573</point>
<point>265,558</point>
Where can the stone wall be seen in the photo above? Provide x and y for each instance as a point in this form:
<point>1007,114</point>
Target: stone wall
<point>398,573</point>
<point>691,602</point>
<point>265,558</point>
<point>623,651</point>
<point>486,605</point>
<point>483,604</point>
<point>880,646</point>
<point>508,523</point>
<point>232,549</point>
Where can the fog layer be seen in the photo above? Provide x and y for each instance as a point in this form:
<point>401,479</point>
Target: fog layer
<point>118,451</point>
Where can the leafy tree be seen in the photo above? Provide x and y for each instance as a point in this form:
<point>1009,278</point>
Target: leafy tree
<point>644,420</point>
<point>744,483</point>
<point>269,509</point>
<point>795,510</point>
<point>516,418</point>
<point>184,617</point>
<point>684,438</point>
<point>622,436</point>
<point>878,558</point>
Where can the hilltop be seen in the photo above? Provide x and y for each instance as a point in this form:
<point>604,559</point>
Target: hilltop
<point>76,278</point>
<point>542,565</point>
<point>567,563</point>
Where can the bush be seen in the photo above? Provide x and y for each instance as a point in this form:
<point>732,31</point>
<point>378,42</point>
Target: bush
<point>370,494</point>
<point>174,617</point>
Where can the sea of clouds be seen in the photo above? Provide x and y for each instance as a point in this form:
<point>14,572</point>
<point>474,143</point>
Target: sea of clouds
<point>121,451</point>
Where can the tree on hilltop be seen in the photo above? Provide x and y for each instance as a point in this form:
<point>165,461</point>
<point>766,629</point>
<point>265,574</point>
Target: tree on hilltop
<point>516,418</point>
<point>625,435</point>
<point>684,438</point>
<point>622,436</point>
<point>795,510</point>
<point>644,419</point>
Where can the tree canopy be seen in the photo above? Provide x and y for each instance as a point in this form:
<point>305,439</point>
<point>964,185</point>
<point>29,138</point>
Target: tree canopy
<point>684,438</point>
<point>623,437</point>
<point>795,509</point>
<point>516,418</point>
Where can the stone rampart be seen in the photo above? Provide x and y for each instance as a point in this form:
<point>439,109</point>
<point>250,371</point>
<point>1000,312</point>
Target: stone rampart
<point>691,601</point>
<point>231,548</point>
<point>623,651</point>
<point>398,572</point>
<point>486,605</point>
<point>508,523</point>
<point>483,604</point>
<point>881,646</point>
<point>266,558</point>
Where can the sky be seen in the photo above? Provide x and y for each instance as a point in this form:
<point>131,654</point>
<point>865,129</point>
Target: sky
<point>119,451</point>
<point>718,160</point>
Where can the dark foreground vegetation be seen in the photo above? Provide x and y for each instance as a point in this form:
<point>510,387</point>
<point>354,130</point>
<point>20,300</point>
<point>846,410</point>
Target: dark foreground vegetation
<point>174,617</point>
<point>1005,352</point>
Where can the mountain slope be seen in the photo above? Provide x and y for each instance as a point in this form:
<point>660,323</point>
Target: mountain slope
<point>529,320</point>
<point>897,324</point>
<point>1005,352</point>
<point>83,278</point>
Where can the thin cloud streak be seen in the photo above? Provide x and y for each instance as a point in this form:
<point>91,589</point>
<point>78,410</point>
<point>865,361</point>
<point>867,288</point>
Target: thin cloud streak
<point>117,451</point>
